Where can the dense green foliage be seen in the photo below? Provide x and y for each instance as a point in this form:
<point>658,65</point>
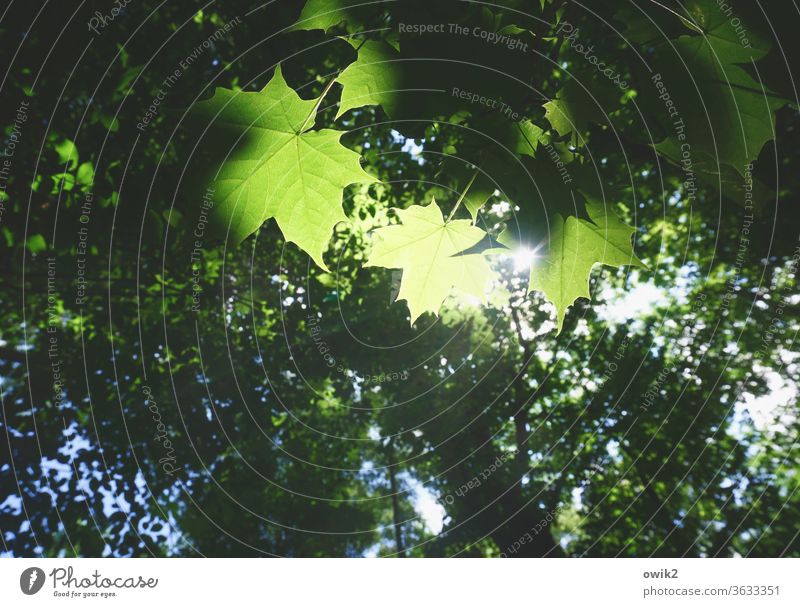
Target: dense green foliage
<point>211,214</point>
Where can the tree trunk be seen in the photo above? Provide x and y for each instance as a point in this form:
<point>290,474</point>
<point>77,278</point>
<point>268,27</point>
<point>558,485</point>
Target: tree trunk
<point>527,533</point>
<point>398,532</point>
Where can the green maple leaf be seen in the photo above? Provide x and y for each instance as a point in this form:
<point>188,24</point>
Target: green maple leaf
<point>582,100</point>
<point>727,115</point>
<point>428,250</point>
<point>326,14</point>
<point>415,76</point>
<point>275,167</point>
<point>575,246</point>
<point>740,117</point>
<point>375,78</point>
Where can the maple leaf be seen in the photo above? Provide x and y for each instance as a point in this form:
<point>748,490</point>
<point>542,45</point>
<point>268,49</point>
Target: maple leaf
<point>413,73</point>
<point>428,250</point>
<point>721,115</point>
<point>275,167</point>
<point>375,78</point>
<point>740,113</point>
<point>575,246</point>
<point>581,101</point>
<point>327,14</point>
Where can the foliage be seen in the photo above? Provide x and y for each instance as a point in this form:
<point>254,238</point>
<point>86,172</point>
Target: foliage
<point>179,379</point>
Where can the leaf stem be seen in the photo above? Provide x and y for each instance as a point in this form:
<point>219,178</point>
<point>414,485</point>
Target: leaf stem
<point>313,111</point>
<point>325,91</point>
<point>461,198</point>
<point>679,16</point>
<point>525,137</point>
